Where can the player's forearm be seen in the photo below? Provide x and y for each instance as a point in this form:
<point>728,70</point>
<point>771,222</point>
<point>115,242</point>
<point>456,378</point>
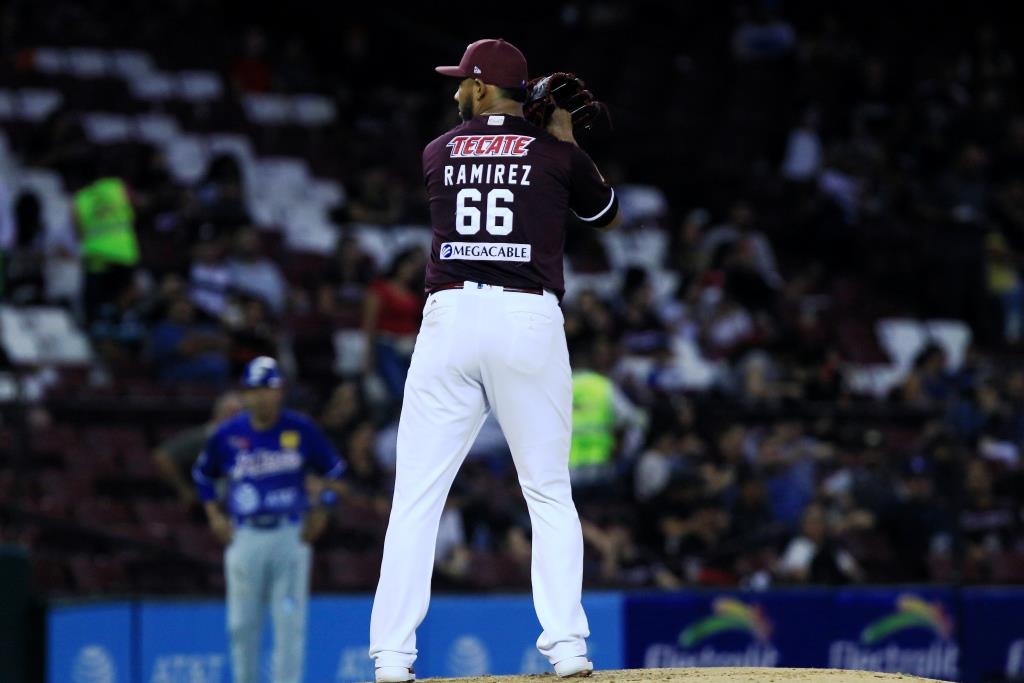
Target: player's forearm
<point>213,510</point>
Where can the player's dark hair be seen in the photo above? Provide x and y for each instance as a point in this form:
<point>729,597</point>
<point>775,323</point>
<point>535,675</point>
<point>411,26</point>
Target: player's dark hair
<point>517,94</point>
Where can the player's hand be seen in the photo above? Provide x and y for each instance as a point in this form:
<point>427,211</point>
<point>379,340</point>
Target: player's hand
<point>560,125</point>
<point>315,524</point>
<point>222,528</point>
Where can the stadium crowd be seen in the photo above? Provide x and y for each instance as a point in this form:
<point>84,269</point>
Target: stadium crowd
<point>796,179</point>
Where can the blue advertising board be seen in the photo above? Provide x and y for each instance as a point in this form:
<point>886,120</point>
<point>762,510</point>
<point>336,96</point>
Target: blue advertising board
<point>724,629</point>
<point>913,631</point>
<point>338,640</point>
<point>90,643</point>
<point>183,642</point>
<point>992,636</point>
<point>969,635</point>
<point>470,636</point>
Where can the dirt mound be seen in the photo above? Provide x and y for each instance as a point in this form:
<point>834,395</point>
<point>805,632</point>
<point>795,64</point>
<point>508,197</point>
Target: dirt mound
<point>710,675</point>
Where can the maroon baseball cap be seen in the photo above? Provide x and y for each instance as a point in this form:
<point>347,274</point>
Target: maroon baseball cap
<point>492,61</point>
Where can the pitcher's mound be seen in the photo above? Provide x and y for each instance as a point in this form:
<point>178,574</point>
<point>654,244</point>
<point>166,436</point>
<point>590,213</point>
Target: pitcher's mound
<point>710,675</point>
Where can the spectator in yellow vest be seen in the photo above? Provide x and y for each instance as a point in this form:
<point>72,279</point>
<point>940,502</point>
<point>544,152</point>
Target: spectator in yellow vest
<point>105,222</point>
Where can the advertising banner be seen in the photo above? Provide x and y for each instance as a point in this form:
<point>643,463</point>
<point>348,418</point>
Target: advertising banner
<point>90,643</point>
<point>726,629</point>
<point>913,631</point>
<point>993,634</point>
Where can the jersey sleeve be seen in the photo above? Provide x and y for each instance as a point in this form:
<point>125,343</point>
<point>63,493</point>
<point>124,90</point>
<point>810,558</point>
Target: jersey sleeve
<point>591,199</point>
<point>320,454</point>
<point>209,467</point>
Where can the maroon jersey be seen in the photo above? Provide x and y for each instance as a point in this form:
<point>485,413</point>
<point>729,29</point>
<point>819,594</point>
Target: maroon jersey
<point>500,192</point>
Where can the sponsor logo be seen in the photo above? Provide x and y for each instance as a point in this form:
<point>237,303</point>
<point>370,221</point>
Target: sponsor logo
<point>734,634</point>
<point>185,668</point>
<point>489,145</point>
<point>883,645</point>
<point>290,439</point>
<point>728,615</point>
<point>911,612</point>
<point>477,70</point>
<point>246,498</point>
<point>468,656</point>
<point>93,664</point>
<point>485,251</point>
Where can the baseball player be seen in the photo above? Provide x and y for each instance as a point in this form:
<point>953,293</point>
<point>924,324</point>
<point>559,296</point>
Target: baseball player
<point>492,338</point>
<point>264,454</point>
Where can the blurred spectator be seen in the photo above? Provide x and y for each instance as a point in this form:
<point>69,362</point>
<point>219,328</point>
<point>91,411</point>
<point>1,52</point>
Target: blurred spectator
<point>381,199</point>
<point>254,274</point>
<point>250,71</point>
<point>343,413</point>
<point>176,456</point>
<point>599,409</point>
<point>183,350</point>
<point>23,265</point>
<point>209,278</point>
<point>391,317</point>
<point>815,556</point>
<point>251,332</point>
<point>220,198</point>
<point>349,273</point>
<point>105,221</point>
<point>1005,285</point>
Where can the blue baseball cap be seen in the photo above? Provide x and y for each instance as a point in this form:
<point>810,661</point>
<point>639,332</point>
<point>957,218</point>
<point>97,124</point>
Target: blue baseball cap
<point>262,372</point>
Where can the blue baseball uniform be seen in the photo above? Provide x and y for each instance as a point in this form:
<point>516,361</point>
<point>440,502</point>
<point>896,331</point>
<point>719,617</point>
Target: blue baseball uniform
<point>266,563</point>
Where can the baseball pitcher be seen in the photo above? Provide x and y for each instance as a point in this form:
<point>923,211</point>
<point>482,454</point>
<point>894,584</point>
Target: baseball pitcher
<point>264,453</point>
<point>501,189</point>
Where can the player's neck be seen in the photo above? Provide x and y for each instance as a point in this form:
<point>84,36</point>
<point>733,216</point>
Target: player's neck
<point>506,108</point>
<point>262,425</point>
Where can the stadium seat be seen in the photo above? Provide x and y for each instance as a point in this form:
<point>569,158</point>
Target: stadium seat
<point>954,336</point>
<point>85,62</point>
<point>200,86</point>
<point>153,86</point>
<point>902,339</point>
<point>131,64</point>
<point>107,128</point>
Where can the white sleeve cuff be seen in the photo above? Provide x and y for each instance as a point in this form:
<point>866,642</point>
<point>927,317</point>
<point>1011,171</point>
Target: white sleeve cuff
<point>611,200</point>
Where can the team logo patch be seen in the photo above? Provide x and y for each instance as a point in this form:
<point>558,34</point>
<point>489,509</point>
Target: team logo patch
<point>485,251</point>
<point>246,498</point>
<point>290,439</point>
<point>489,145</point>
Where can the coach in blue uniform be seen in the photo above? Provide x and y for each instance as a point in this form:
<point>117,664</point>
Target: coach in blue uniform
<point>265,454</point>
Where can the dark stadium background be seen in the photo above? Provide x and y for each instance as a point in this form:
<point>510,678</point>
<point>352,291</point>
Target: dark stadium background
<point>917,106</point>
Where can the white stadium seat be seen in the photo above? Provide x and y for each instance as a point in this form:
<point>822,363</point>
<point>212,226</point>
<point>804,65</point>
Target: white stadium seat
<point>8,105</point>
<point>156,128</point>
<point>268,109</point>
<point>902,339</point>
<point>49,60</point>
<point>154,86</point>
<point>87,62</point>
<point>105,128</point>
<point>200,86</point>
<point>313,110</point>
<point>186,157</point>
<point>36,105</point>
<point>131,64</point>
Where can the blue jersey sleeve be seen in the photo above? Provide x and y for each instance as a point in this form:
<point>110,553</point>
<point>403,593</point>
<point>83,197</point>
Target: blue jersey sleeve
<point>320,454</point>
<point>209,467</point>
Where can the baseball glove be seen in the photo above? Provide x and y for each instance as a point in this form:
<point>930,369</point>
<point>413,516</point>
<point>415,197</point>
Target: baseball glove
<point>566,91</point>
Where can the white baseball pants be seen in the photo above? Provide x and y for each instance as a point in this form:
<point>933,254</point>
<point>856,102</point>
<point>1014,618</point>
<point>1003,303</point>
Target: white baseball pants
<point>482,349</point>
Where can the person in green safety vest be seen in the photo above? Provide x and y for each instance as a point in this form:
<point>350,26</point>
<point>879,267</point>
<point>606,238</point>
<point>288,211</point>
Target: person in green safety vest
<point>105,221</point>
<point>599,410</point>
